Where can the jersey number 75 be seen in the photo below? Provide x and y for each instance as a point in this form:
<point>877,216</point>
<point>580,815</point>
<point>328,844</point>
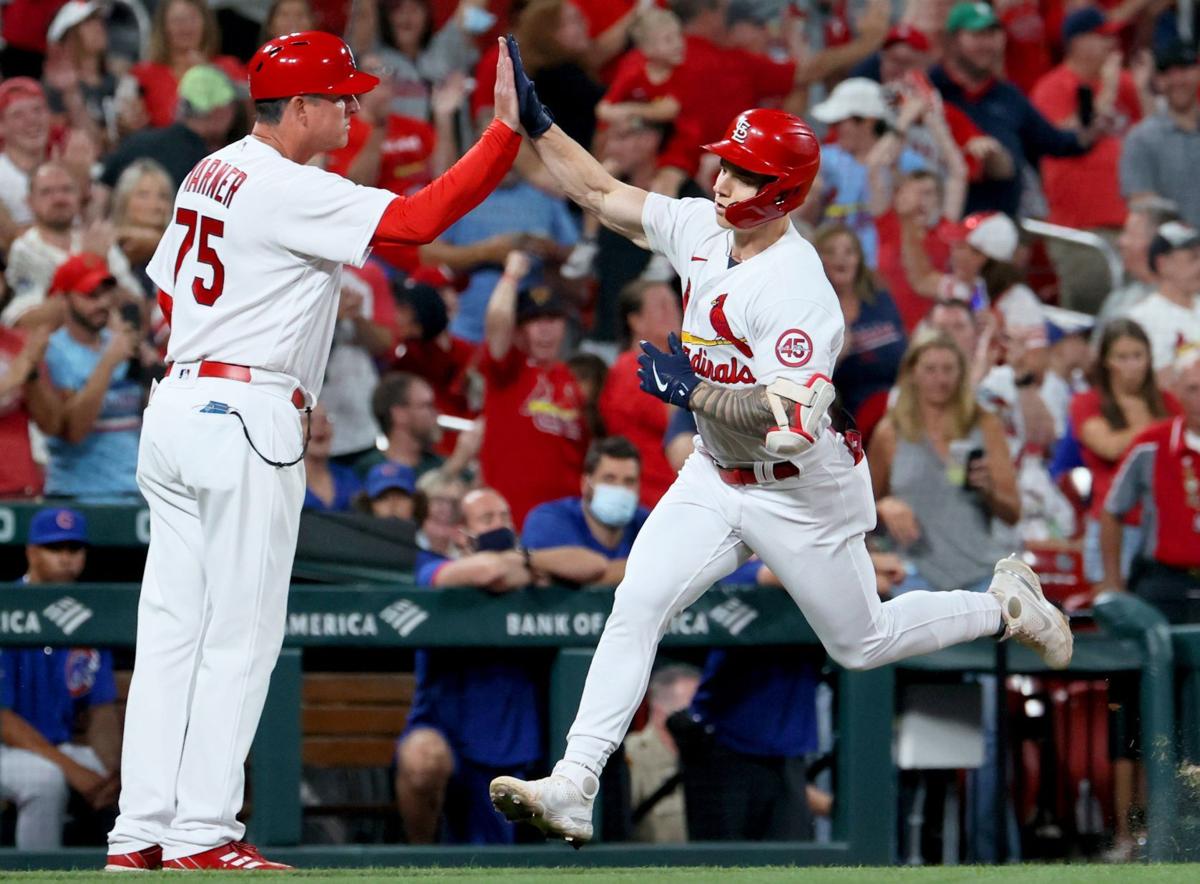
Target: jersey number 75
<point>208,228</point>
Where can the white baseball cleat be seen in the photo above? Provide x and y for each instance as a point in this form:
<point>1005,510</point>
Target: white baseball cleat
<point>554,804</point>
<point>1028,617</point>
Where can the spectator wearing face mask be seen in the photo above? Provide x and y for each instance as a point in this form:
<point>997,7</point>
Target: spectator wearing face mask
<point>475,715</point>
<point>587,539</point>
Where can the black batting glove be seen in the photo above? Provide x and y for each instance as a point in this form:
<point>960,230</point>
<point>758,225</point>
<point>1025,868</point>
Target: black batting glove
<point>535,117</point>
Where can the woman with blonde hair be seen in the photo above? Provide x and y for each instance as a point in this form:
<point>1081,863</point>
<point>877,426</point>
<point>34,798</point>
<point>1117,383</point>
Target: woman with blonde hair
<point>184,33</point>
<point>141,211</point>
<point>941,471</point>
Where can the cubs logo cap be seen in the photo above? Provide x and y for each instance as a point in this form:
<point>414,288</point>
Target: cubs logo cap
<point>389,477</point>
<point>57,525</point>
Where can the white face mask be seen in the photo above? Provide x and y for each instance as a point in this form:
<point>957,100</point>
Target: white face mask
<point>613,505</point>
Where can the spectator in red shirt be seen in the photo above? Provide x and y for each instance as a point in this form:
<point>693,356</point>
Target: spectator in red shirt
<point>398,153</point>
<point>905,50</point>
<point>184,34</point>
<point>428,350</point>
<point>1159,476</point>
<point>24,396</point>
<point>649,311</point>
<point>649,84</point>
<point>23,28</point>
<point>732,79</point>
<point>609,23</point>
<point>1124,400</point>
<point>25,130</point>
<point>919,211</point>
<point>1084,191</point>
<point>1027,42</point>
<point>535,435</point>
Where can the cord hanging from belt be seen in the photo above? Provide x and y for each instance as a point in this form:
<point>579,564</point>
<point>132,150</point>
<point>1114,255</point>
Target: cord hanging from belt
<point>277,463</point>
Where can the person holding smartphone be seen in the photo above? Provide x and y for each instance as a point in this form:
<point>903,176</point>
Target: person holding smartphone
<point>941,471</point>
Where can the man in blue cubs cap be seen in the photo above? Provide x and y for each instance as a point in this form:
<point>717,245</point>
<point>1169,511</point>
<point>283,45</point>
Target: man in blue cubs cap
<point>390,490</point>
<point>43,695</point>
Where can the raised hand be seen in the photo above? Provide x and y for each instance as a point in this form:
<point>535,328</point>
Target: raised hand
<point>535,118</point>
<point>504,96</point>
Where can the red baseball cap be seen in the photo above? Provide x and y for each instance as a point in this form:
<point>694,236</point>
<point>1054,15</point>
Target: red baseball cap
<point>82,273</point>
<point>907,34</point>
<point>16,88</point>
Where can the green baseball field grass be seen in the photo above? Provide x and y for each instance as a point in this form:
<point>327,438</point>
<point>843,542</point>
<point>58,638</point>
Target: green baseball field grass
<point>1025,874</point>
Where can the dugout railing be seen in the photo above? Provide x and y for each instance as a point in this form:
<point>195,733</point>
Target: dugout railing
<point>570,621</point>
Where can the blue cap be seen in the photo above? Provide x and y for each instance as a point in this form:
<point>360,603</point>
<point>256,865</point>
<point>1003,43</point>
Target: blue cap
<point>57,526</point>
<point>1086,21</point>
<point>389,475</point>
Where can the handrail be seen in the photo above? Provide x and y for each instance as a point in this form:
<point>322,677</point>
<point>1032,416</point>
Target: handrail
<point>1084,238</point>
<point>1126,616</point>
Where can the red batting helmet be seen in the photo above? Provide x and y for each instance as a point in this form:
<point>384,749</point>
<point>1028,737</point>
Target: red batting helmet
<point>307,63</point>
<point>775,143</point>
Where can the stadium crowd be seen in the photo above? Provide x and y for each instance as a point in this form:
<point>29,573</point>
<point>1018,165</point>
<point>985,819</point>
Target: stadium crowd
<point>1016,391</point>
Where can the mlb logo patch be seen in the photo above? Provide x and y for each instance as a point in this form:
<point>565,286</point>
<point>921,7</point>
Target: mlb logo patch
<point>214,407</point>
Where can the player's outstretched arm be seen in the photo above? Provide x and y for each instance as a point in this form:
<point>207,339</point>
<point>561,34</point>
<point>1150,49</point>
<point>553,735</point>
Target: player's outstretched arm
<point>582,178</point>
<point>424,216</point>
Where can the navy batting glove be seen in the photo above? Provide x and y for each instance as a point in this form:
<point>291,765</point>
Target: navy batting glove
<point>667,376</point>
<point>535,118</point>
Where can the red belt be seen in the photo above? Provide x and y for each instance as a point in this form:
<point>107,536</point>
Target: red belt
<point>747,476</point>
<point>225,370</point>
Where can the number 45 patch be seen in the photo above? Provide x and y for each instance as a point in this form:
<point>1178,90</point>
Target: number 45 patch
<point>794,348</point>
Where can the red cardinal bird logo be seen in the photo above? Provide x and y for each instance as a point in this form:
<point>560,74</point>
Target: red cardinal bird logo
<point>720,325</point>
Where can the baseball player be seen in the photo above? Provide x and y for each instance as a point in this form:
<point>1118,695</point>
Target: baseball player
<point>761,335</point>
<point>250,272</point>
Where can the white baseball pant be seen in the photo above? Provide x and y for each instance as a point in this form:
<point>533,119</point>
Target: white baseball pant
<point>39,789</point>
<point>211,617</point>
<point>809,530</point>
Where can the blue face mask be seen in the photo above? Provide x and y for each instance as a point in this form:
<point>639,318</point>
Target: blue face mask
<point>477,20</point>
<point>613,505</point>
<point>496,540</point>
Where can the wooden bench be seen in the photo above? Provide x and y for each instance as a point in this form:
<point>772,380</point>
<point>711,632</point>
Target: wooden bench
<point>349,722</point>
<point>352,719</point>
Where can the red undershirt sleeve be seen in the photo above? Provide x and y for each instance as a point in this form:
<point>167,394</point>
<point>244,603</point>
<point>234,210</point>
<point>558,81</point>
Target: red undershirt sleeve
<point>422,217</point>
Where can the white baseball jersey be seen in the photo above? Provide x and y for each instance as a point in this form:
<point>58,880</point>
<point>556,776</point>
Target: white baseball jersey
<point>253,259</point>
<point>773,316</point>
